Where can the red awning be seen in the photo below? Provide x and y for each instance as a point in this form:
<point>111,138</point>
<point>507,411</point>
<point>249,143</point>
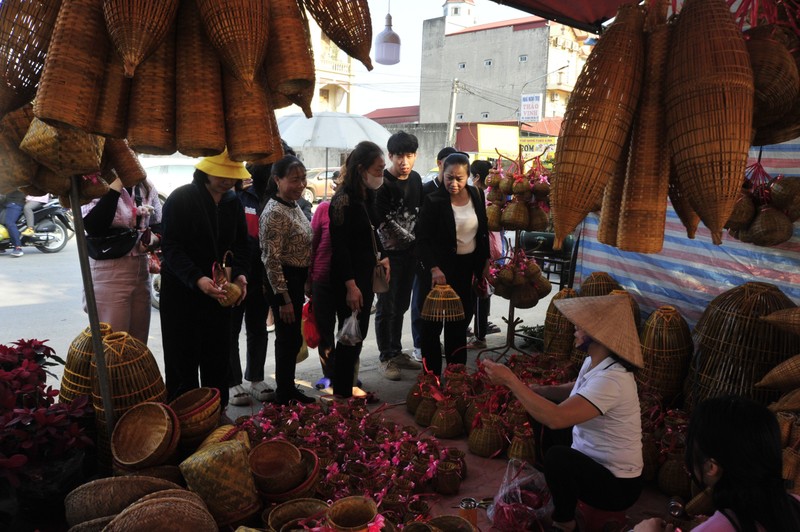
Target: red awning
<point>587,15</point>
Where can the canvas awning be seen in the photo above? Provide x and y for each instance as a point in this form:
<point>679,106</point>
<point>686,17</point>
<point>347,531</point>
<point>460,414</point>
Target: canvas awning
<point>588,15</point>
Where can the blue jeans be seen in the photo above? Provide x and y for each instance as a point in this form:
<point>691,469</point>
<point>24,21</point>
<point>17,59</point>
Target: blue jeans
<point>392,305</point>
<point>13,210</point>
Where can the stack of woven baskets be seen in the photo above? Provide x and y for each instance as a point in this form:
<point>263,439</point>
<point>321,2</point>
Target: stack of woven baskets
<point>145,436</point>
<point>198,412</point>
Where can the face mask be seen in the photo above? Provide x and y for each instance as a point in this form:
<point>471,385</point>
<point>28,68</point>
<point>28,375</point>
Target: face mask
<point>373,182</point>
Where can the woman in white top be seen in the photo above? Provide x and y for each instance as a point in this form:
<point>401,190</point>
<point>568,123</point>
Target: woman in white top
<point>603,467</point>
<point>453,246</point>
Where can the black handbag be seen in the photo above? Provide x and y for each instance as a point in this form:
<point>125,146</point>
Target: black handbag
<point>116,242</point>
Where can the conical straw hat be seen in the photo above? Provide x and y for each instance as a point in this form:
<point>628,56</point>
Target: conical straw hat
<point>608,320</point>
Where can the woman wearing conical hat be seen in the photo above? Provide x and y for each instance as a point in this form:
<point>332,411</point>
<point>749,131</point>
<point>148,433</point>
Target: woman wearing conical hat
<point>603,466</point>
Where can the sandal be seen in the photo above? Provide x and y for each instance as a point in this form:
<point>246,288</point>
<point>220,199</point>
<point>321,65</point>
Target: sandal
<point>261,392</point>
<point>238,396</point>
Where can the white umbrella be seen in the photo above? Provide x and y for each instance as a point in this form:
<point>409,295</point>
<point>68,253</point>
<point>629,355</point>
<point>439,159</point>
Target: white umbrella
<point>336,131</point>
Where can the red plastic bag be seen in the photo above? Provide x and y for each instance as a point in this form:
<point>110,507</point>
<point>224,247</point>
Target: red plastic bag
<point>310,331</point>
<point>153,263</point>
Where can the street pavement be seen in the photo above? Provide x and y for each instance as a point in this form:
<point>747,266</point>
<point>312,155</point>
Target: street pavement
<point>41,297</point>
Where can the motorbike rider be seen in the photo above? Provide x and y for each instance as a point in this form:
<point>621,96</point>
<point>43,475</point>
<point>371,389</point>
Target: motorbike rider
<point>31,204</point>
<point>15,201</point>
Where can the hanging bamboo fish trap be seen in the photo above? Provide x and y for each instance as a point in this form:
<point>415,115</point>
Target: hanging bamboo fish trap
<point>347,23</point>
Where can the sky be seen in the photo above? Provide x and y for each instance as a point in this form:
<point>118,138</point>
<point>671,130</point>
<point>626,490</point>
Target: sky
<point>398,85</point>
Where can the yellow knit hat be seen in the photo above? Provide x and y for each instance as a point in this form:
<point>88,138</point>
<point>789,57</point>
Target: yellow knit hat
<point>222,166</point>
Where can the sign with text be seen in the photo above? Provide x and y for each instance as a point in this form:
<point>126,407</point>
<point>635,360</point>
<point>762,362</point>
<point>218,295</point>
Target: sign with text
<point>530,108</point>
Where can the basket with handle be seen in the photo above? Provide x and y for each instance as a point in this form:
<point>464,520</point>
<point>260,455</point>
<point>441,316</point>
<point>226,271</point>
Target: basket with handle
<point>137,28</point>
<point>347,23</point>
<point>198,87</point>
<point>442,303</point>
<point>290,59</point>
<point>222,277</point>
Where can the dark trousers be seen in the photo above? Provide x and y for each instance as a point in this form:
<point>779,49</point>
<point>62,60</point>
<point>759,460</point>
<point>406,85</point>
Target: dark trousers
<point>345,357</point>
<point>392,305</point>
<point>458,273</point>
<point>288,336</point>
<point>482,308</point>
<point>419,291</point>
<point>324,304</point>
<point>253,311</point>
<point>196,333</point>
<point>571,475</point>
<point>13,210</point>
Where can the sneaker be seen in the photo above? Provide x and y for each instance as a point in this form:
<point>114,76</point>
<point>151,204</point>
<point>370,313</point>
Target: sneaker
<point>323,383</point>
<point>17,252</point>
<point>404,361</point>
<point>28,231</point>
<point>271,328</point>
<point>261,392</point>
<point>238,396</point>
<point>476,343</point>
<point>417,354</point>
<point>390,370</point>
<point>491,328</point>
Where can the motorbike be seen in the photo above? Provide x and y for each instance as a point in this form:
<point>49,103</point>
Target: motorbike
<point>52,228</point>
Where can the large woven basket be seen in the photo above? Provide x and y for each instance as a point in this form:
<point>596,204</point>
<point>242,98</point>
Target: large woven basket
<point>73,70</point>
<point>347,23</point>
<point>26,30</point>
<point>143,436</point>
<point>708,102</point>
<point>734,348</point>
<point>112,107</point>
<point>667,348</point>
<point>109,496</point>
<point>597,121</point>
<point>248,119</point>
<point>643,210</point>
<point>151,114</point>
<point>598,284</point>
<point>775,76</point>
<point>612,198</point>
<point>679,199</point>
<point>198,88</point>
<point>221,476</point>
<point>239,30</point>
<point>558,330</point>
<point>65,151</point>
<point>290,59</point>
<point>174,513</point>
<point>77,377</point>
<point>119,156</point>
<point>137,28</point>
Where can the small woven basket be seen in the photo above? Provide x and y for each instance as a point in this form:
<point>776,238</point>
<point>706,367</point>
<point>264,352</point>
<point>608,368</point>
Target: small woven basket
<point>72,77</point>
<point>66,152</point>
<point>523,445</point>
<point>239,30</point>
<point>515,216</point>
<point>442,304</point>
<point>447,480</point>
<point>137,28</point>
<point>295,509</point>
<point>426,409</point>
<point>446,421</point>
<point>673,479</point>
<point>785,195</point>
<point>451,523</point>
<point>487,440</point>
<point>769,228</point>
<point>351,513</point>
<point>142,436</point>
<point>198,88</point>
<point>77,377</point>
<point>277,466</point>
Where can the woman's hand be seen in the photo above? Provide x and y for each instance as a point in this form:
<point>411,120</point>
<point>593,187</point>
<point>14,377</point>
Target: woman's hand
<point>354,298</point>
<point>385,263</point>
<point>241,282</point>
<point>210,288</point>
<point>307,288</point>
<point>437,276</point>
<point>287,313</point>
<point>654,524</point>
<point>498,373</point>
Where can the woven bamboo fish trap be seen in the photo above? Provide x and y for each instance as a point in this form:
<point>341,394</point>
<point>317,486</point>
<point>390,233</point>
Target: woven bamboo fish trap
<point>673,479</point>
<point>775,76</point>
<point>611,200</point>
<point>523,445</point>
<point>785,376</point>
<point>680,202</point>
<point>442,304</point>
<point>112,107</point>
<point>643,209</point>
<point>447,479</point>
<point>73,72</point>
<point>446,421</point>
<point>744,211</point>
<point>290,59</point>
<point>708,100</point>
<point>347,23</point>
<point>221,476</point>
<point>16,166</point>
<point>426,408</point>
<point>667,349</point>
<point>178,514</point>
<point>248,119</point>
<point>239,30</point>
<point>598,284</point>
<point>785,194</point>
<point>734,348</point>
<point>119,156</point>
<point>597,121</point>
<point>785,319</point>
<point>198,88</point>
<point>769,228</point>
<point>137,28</point>
<point>65,151</point>
<point>77,377</point>
<point>488,438</point>
<point>25,31</point>
<point>151,114</point>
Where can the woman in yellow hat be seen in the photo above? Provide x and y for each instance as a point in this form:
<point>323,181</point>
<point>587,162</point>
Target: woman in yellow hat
<point>603,466</point>
<point>201,221</point>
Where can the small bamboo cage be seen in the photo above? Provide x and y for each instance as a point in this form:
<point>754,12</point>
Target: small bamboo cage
<point>443,304</point>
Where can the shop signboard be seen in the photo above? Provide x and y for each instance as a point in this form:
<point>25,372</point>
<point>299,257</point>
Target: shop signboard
<point>530,107</point>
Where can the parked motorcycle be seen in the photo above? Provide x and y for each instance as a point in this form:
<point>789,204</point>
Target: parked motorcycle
<point>51,229</point>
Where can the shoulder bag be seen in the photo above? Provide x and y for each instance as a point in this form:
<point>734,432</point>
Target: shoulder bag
<point>380,284</point>
<point>117,241</point>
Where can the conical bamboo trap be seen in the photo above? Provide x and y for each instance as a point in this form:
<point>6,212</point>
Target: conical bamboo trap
<point>680,202</point>
<point>248,119</point>
<point>290,58</point>
<point>612,194</point>
<point>775,75</point>
<point>708,100</point>
<point>667,348</point>
<point>597,121</point>
<point>442,304</point>
<point>111,119</point>
<point>347,23</point>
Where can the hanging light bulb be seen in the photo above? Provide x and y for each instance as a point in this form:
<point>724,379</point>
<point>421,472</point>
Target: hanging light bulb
<point>387,43</point>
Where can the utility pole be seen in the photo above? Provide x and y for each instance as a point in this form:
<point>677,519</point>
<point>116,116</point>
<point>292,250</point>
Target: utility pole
<point>451,124</point>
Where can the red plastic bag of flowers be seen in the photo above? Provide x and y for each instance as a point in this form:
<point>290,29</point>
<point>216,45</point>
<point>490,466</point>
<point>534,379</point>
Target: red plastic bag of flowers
<point>310,331</point>
<point>523,501</point>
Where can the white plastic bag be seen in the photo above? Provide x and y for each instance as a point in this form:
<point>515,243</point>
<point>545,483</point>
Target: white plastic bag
<point>523,501</point>
<point>350,333</point>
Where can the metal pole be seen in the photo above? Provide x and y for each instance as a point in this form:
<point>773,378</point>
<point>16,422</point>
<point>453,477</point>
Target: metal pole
<point>451,124</point>
<point>91,305</point>
<point>325,192</point>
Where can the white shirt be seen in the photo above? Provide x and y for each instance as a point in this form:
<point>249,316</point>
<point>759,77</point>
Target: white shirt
<point>466,228</point>
<point>614,438</point>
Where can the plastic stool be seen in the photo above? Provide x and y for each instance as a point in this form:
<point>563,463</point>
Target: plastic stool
<point>591,519</point>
